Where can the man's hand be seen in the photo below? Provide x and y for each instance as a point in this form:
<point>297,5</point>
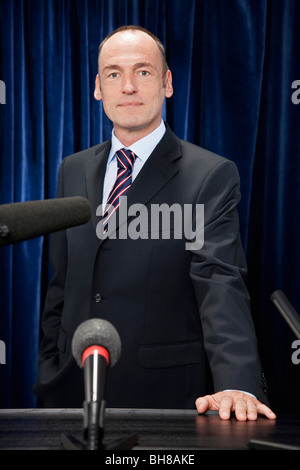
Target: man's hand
<point>245,406</point>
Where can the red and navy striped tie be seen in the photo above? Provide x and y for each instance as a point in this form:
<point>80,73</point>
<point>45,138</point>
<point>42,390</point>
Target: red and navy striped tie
<point>125,160</point>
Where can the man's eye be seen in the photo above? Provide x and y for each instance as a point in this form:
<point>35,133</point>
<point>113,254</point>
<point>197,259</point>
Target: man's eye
<point>113,75</point>
<point>144,73</point>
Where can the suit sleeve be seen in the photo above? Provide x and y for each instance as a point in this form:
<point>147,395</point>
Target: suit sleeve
<point>48,362</point>
<point>218,272</point>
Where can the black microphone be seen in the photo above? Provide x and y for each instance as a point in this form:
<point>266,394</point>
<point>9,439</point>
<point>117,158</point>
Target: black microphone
<point>287,311</point>
<point>20,221</point>
<point>96,346</point>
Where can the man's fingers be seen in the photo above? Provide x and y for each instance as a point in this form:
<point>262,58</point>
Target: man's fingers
<point>244,406</point>
<point>226,404</point>
<point>265,411</point>
<point>245,409</point>
<point>241,410</point>
<point>208,402</point>
<point>202,404</point>
<point>251,411</point>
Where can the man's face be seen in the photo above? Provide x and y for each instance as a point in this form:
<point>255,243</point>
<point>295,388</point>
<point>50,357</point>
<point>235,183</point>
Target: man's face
<point>131,85</point>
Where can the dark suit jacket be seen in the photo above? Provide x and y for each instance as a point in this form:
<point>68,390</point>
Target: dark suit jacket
<point>172,307</point>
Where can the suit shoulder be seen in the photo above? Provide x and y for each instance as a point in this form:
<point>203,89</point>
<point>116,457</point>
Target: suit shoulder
<point>200,154</point>
<point>198,160</point>
<point>85,155</point>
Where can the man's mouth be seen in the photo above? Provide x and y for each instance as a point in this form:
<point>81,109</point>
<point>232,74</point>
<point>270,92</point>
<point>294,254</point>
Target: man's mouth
<point>130,104</point>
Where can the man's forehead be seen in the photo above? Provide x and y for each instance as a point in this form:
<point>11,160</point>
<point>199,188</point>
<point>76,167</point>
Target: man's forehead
<point>129,40</point>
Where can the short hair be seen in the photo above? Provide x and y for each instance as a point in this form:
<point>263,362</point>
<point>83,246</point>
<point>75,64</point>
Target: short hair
<point>159,44</point>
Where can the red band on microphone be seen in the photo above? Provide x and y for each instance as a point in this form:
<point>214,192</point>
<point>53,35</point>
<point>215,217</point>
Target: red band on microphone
<point>99,350</point>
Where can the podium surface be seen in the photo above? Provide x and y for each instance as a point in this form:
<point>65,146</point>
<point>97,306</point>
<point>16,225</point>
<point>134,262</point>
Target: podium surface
<point>42,429</point>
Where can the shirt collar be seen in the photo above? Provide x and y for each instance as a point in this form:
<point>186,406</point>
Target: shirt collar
<point>143,147</point>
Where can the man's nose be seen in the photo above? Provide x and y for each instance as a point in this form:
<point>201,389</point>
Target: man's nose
<point>129,84</point>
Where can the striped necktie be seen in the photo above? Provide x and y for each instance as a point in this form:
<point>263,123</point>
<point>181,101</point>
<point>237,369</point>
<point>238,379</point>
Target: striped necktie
<point>125,160</point>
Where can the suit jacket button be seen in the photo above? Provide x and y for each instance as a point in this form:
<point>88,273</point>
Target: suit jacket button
<point>97,298</point>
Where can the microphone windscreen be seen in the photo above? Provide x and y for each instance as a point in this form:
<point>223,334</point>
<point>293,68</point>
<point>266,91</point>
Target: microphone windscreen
<point>22,221</point>
<point>96,332</point>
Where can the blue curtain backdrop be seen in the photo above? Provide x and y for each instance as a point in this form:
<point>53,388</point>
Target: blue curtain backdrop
<point>233,64</point>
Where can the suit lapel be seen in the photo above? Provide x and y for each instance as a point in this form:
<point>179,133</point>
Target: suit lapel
<point>95,172</point>
<point>157,171</point>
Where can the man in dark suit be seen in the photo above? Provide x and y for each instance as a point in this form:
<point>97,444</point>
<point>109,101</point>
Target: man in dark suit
<point>175,302</point>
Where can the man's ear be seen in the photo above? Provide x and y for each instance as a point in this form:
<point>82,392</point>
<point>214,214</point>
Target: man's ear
<point>169,85</point>
<point>97,92</point>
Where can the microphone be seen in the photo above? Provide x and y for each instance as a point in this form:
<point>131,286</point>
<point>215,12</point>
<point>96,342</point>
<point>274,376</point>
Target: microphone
<point>287,311</point>
<point>20,221</point>
<point>96,346</point>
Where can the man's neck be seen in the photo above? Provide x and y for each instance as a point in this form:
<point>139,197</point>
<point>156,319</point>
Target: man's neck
<point>128,138</point>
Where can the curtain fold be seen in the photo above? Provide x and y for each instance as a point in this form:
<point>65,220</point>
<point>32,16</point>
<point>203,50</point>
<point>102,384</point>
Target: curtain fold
<point>233,64</point>
<point>275,201</point>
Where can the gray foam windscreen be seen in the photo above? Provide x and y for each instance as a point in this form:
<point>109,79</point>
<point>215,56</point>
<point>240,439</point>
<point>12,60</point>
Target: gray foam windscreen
<point>22,221</point>
<point>96,332</point>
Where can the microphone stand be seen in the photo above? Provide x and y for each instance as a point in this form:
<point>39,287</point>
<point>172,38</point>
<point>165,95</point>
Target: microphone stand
<point>71,443</point>
<point>93,433</point>
<point>94,408</point>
